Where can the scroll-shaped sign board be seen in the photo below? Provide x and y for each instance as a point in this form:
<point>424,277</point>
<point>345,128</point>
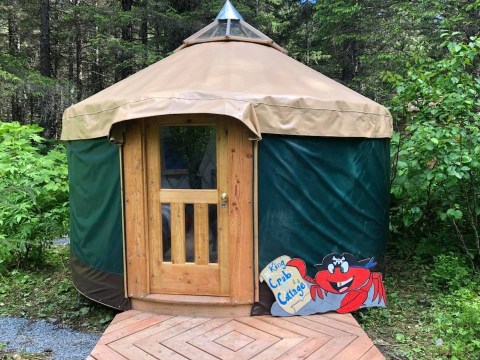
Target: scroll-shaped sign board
<point>287,284</point>
<point>342,284</point>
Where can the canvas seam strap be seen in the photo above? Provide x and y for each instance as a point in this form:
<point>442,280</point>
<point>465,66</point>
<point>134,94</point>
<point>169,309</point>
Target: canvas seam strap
<point>233,99</point>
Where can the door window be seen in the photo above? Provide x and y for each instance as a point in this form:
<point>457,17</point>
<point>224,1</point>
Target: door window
<point>189,157</point>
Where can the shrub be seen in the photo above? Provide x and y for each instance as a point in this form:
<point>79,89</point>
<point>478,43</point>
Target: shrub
<point>33,194</point>
<point>436,189</point>
<point>457,324</point>
<point>451,273</point>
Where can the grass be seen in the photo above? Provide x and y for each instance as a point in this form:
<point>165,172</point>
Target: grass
<point>428,316</point>
<point>21,356</point>
<point>433,307</point>
<point>48,293</point>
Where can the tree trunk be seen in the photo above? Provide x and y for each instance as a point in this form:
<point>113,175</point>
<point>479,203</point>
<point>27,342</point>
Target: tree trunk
<point>350,61</point>
<point>13,35</point>
<point>78,58</point>
<point>144,31</point>
<point>47,115</point>
<point>97,72</point>
<point>13,49</point>
<point>70,61</point>
<point>127,36</point>
<point>45,56</point>
<point>144,24</point>
<point>55,53</point>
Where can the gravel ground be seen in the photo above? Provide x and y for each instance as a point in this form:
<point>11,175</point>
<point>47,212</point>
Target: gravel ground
<point>42,337</point>
<point>61,241</point>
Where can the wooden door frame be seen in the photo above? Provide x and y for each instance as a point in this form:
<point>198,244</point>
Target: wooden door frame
<point>240,206</point>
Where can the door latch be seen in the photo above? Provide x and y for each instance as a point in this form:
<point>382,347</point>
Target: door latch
<point>224,199</point>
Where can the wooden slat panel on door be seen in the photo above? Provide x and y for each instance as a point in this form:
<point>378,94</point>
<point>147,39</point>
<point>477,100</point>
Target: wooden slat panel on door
<point>201,234</point>
<point>189,196</point>
<point>178,233</point>
<point>197,279</point>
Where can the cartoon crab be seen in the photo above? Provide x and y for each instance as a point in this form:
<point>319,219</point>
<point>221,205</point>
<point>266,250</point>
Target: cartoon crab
<point>343,274</point>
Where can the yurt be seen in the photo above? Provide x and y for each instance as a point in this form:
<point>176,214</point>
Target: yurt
<point>189,176</point>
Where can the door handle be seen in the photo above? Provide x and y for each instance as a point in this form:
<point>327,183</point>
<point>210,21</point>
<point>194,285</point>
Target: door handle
<point>224,199</point>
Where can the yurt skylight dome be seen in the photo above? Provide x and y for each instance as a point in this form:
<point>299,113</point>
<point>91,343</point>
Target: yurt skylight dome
<point>229,25</point>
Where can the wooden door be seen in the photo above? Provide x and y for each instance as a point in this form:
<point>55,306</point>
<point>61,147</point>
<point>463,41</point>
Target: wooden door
<point>196,208</point>
<point>188,207</point>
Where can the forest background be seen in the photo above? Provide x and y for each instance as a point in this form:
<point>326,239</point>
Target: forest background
<point>421,59</point>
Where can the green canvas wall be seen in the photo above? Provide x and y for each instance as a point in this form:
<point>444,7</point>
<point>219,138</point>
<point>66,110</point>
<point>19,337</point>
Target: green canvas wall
<point>96,220</point>
<point>321,195</point>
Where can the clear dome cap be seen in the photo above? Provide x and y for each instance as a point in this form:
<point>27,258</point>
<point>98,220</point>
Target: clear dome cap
<point>229,26</point>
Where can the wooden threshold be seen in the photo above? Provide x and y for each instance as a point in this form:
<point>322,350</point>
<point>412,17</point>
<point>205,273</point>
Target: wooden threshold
<point>189,299</point>
<point>209,306</point>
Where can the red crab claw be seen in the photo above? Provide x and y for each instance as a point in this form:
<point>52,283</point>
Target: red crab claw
<point>302,269</point>
<point>352,301</point>
<point>378,288</point>
<point>355,299</point>
<point>299,264</point>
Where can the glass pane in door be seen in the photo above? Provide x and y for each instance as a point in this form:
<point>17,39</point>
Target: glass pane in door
<point>189,233</point>
<point>166,232</point>
<point>213,233</point>
<point>188,157</point>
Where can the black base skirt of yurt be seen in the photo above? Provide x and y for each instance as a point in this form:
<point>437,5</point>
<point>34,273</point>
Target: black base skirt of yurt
<point>100,286</point>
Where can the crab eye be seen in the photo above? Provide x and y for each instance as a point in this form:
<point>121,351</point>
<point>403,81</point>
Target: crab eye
<point>344,267</point>
<point>331,268</point>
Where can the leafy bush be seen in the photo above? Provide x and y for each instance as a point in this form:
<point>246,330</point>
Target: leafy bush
<point>46,292</point>
<point>33,194</point>
<point>432,311</point>
<point>436,189</point>
<point>457,324</point>
<point>451,273</point>
<point>456,307</point>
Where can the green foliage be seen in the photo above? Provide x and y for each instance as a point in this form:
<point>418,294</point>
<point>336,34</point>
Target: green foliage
<point>451,273</point>
<point>432,311</point>
<point>46,292</point>
<point>290,24</point>
<point>457,324</point>
<point>360,39</point>
<point>14,355</point>
<point>33,194</point>
<point>456,308</point>
<point>436,190</point>
<point>190,144</point>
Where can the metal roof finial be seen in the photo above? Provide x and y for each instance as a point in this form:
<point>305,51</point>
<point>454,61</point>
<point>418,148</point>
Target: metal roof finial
<point>228,12</point>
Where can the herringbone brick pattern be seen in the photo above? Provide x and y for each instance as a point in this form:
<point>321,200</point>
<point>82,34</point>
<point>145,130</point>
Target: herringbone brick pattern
<point>135,335</point>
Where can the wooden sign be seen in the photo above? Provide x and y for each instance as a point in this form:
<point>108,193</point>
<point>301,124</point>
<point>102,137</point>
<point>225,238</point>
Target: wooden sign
<point>287,284</point>
<point>342,284</point>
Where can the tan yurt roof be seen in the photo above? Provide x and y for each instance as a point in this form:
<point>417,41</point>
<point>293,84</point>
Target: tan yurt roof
<point>248,78</point>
